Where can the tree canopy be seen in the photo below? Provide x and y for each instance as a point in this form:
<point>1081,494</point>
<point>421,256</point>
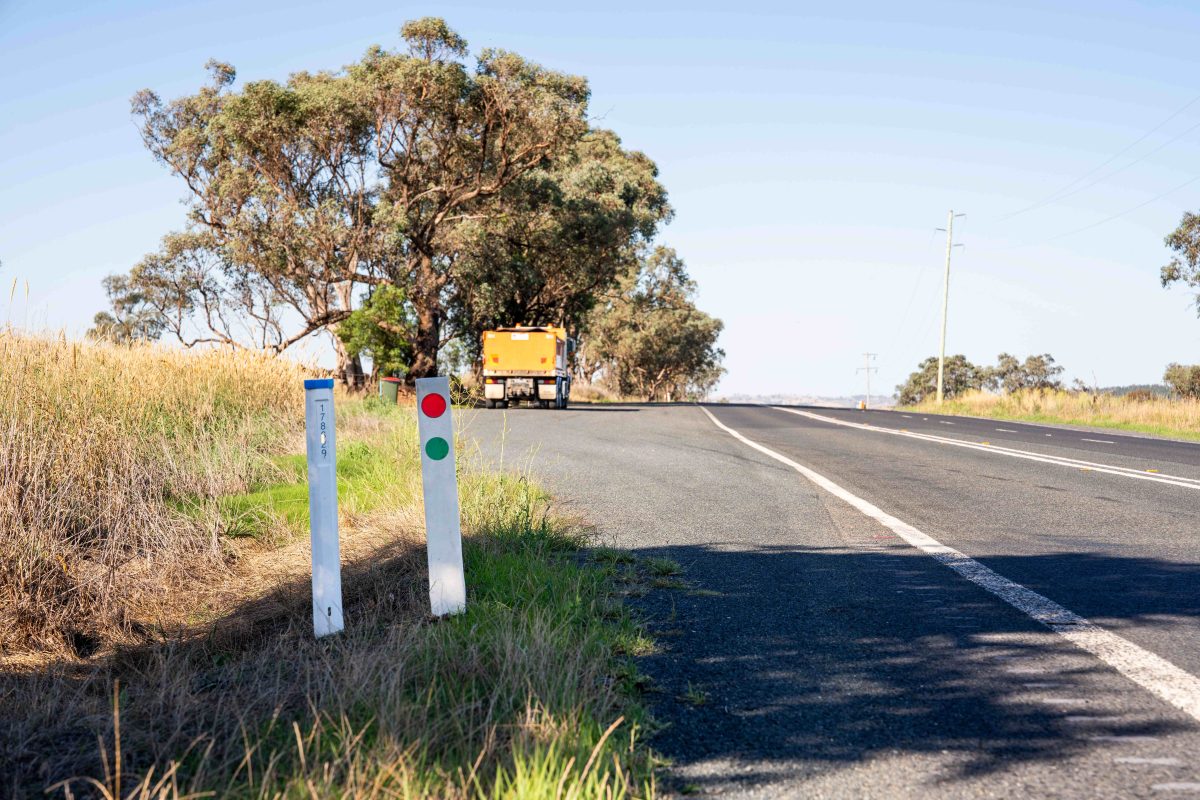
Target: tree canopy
<point>959,376</point>
<point>648,339</point>
<point>1184,266</point>
<point>1010,374</point>
<point>1183,380</point>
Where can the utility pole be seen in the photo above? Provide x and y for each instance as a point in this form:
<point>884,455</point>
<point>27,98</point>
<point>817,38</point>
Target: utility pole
<point>950,215</point>
<point>868,369</point>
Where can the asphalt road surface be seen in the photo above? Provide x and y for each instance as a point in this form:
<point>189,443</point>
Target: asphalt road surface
<point>893,605</point>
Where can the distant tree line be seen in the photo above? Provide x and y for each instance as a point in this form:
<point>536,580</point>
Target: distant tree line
<point>1036,372</point>
<point>405,204</point>
<point>1010,374</point>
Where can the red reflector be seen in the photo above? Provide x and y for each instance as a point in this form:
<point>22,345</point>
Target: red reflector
<point>543,359</point>
<point>434,405</point>
<point>489,380</point>
<point>495,359</point>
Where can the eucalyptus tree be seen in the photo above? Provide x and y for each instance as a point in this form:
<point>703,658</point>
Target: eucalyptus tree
<point>133,318</point>
<point>1184,266</point>
<point>200,296</point>
<point>558,238</point>
<point>281,188</point>
<point>960,376</point>
<point>647,338</point>
<point>448,140</point>
<point>1183,380</point>
<point>1039,372</point>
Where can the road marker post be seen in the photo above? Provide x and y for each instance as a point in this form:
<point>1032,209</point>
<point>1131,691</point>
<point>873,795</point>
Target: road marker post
<point>321,443</point>
<point>439,482</point>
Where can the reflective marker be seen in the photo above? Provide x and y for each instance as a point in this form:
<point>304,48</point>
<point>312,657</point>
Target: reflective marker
<point>322,506</point>
<point>443,532</point>
<point>437,448</point>
<point>433,405</point>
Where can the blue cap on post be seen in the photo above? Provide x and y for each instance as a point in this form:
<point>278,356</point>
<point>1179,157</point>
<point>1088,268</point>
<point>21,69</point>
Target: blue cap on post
<point>318,383</point>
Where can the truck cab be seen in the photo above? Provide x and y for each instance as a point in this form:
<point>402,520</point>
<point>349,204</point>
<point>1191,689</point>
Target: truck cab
<point>527,363</point>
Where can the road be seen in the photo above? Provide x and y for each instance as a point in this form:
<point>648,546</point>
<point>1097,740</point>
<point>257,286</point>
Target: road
<point>895,605</point>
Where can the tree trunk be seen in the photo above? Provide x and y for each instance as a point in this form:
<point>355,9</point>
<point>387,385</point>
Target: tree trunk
<point>426,302</point>
<point>425,344</point>
<point>349,367</point>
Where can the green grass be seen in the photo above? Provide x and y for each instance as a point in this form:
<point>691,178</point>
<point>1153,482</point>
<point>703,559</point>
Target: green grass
<point>370,476</point>
<point>662,567</point>
<point>695,696</point>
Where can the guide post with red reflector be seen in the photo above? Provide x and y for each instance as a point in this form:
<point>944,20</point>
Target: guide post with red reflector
<point>322,506</point>
<point>443,531</point>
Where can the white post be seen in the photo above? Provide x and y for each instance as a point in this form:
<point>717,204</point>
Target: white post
<point>945,303</point>
<point>443,531</point>
<point>322,506</point>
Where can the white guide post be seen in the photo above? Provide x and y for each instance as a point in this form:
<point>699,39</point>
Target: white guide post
<point>322,506</point>
<point>443,530</point>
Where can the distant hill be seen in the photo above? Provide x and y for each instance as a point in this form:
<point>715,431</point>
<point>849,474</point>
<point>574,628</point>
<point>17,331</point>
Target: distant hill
<point>1154,388</point>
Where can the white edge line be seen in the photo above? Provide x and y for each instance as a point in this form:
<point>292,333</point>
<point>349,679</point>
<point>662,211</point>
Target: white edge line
<point>1152,672</point>
<point>1062,461</point>
<point>1098,441</point>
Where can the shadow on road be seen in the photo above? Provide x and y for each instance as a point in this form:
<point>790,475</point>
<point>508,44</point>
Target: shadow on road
<point>819,659</point>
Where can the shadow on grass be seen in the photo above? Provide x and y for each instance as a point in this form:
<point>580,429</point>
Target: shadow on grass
<point>244,672</point>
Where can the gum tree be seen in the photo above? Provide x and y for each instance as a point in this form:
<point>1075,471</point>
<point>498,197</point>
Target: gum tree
<point>1184,266</point>
<point>558,238</point>
<point>649,340</point>
<point>280,187</point>
<point>447,140</point>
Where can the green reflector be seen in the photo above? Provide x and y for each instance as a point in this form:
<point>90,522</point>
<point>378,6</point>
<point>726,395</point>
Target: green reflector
<point>437,448</point>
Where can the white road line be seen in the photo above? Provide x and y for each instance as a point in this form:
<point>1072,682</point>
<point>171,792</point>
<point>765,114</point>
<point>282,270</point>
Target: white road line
<point>1153,673</point>
<point>943,422</point>
<point>1098,441</point>
<point>1062,461</point>
<point>1007,430</point>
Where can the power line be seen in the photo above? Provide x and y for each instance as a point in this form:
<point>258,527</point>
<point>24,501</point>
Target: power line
<point>1106,220</point>
<point>1055,195</point>
<point>1124,167</point>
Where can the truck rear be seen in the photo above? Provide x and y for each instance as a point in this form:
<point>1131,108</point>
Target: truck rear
<point>526,363</point>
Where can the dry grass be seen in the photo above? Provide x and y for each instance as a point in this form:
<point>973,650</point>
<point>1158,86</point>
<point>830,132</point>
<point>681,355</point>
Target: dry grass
<point>596,393</point>
<point>1160,416</point>
<point>510,700</point>
<point>149,655</point>
<point>112,456</point>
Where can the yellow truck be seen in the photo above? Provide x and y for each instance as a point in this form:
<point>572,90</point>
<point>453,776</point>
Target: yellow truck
<point>527,363</point>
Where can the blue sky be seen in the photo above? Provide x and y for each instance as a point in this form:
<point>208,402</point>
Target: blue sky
<point>810,149</point>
